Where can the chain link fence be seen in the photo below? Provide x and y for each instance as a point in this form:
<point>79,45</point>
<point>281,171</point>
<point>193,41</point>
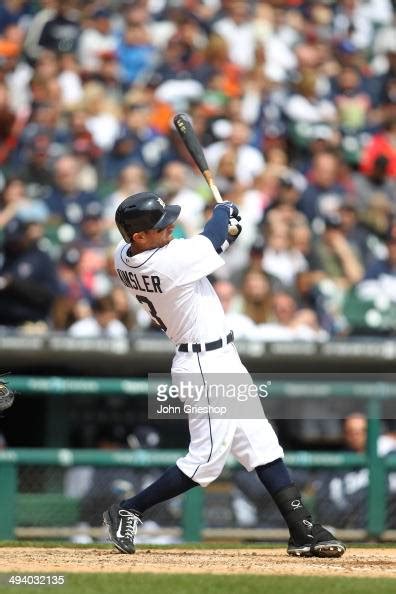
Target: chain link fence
<point>75,498</point>
<point>52,497</point>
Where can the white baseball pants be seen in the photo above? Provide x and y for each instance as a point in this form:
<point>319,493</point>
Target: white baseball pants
<point>253,442</point>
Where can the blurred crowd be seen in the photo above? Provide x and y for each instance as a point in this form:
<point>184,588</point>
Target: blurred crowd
<point>294,102</point>
<point>338,496</point>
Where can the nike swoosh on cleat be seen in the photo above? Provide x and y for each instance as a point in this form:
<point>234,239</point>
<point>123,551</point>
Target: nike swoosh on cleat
<point>119,533</point>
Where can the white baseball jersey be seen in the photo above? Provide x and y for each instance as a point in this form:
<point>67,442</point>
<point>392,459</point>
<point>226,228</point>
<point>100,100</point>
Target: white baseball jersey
<point>170,282</point>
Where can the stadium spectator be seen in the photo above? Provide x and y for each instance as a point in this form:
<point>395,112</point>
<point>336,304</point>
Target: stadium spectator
<point>122,307</point>
<point>281,206</point>
<point>337,257</point>
<point>137,141</point>
<point>61,32</point>
<point>73,302</point>
<point>84,149</point>
<point>375,181</point>
<point>294,104</point>
<point>237,28</point>
<point>45,13</point>
<point>256,296</point>
<point>280,258</point>
<point>41,132</point>
<point>217,62</point>
<point>14,201</point>
<point>338,496</point>
<point>249,160</point>
<point>352,102</point>
<point>92,243</point>
<point>241,324</point>
<point>387,266</point>
<point>136,53</point>
<point>341,496</point>
<point>35,168</point>
<point>66,201</point>
<point>28,280</point>
<point>96,40</point>
<point>324,192</point>
<point>290,323</point>
<point>8,125</point>
<point>103,112</point>
<point>305,106</point>
<point>297,127</point>
<point>11,12</point>
<point>334,268</point>
<point>355,233</point>
<point>132,179</point>
<point>382,145</point>
<point>175,187</point>
<point>101,323</point>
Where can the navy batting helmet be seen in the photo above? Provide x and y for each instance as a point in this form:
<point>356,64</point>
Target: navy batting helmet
<point>142,212</point>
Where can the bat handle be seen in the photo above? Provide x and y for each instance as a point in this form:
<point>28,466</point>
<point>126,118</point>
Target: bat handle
<point>232,229</point>
<point>215,192</point>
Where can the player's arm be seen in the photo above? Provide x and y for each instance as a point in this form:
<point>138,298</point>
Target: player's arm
<point>216,228</point>
<point>188,260</point>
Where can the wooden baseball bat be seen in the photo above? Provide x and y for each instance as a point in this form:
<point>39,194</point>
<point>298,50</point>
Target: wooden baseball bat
<point>194,147</point>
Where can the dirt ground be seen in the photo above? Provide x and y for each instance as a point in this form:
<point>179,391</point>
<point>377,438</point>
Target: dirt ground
<point>355,562</point>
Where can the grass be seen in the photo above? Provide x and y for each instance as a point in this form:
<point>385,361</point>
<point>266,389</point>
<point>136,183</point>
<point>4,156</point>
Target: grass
<point>107,583</point>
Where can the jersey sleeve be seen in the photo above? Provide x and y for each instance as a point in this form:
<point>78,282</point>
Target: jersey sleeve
<point>189,260</point>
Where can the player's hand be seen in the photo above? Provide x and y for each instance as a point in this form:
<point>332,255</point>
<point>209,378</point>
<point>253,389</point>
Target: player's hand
<point>232,209</point>
<point>236,229</point>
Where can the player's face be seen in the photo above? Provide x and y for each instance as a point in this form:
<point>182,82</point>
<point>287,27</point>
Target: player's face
<point>152,239</point>
<point>160,237</point>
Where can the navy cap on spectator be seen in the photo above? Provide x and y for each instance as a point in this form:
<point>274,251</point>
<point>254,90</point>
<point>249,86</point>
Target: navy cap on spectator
<point>332,220</point>
<point>347,46</point>
<point>14,230</point>
<point>102,13</point>
<point>71,256</point>
<point>348,205</point>
<point>93,210</point>
<point>257,247</point>
<point>292,180</point>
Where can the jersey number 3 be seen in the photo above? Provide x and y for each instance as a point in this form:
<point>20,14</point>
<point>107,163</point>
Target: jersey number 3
<point>152,311</point>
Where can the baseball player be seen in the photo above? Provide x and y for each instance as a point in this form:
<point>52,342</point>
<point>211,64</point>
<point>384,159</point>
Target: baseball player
<point>168,277</point>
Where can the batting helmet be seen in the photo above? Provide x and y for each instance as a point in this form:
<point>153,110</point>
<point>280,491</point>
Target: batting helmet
<point>142,212</point>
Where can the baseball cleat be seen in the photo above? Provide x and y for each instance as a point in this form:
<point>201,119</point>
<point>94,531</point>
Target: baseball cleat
<point>122,526</point>
<point>320,543</point>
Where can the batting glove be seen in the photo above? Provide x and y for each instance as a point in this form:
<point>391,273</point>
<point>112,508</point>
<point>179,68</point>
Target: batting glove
<point>233,212</point>
<point>231,238</point>
<point>235,224</point>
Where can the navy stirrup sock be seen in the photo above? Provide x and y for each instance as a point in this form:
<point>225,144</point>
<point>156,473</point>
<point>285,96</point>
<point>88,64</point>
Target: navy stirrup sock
<point>274,476</point>
<point>172,483</point>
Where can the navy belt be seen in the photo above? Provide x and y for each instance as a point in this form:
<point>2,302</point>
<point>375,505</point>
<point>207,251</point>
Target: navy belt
<point>197,347</point>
